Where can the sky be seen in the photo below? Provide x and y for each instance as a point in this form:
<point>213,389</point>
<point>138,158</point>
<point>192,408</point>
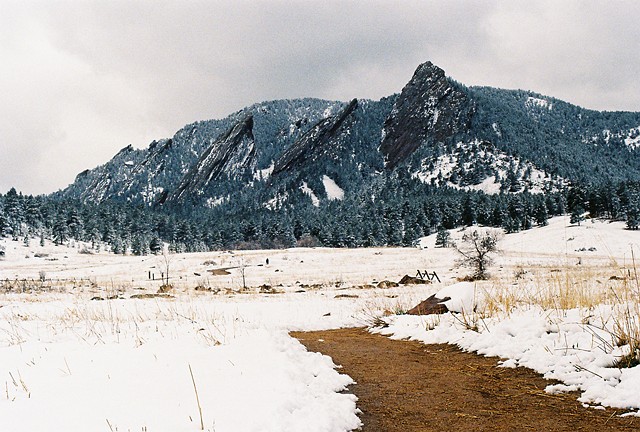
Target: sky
<point>80,80</point>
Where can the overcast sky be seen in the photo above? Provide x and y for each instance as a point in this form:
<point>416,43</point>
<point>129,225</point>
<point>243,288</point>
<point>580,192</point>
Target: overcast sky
<point>79,80</point>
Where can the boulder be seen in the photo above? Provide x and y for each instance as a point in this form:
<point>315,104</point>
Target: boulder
<point>387,284</point>
<point>410,280</point>
<point>431,306</point>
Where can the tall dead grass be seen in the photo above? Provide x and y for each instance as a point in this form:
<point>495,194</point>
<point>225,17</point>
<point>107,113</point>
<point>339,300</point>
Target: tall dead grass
<point>608,295</point>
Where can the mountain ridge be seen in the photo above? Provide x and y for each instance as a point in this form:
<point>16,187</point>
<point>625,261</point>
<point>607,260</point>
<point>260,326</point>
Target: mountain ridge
<point>296,143</point>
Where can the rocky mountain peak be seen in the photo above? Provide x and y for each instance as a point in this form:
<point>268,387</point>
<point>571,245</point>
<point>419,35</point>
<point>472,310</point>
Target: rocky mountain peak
<point>315,140</point>
<point>231,154</point>
<point>430,109</point>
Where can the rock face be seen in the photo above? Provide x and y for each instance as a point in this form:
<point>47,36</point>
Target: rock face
<point>430,109</point>
<point>232,154</point>
<point>314,141</point>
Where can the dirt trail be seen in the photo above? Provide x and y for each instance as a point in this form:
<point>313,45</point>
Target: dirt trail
<point>407,386</point>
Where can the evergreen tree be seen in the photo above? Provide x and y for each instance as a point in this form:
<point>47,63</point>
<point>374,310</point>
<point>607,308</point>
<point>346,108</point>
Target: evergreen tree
<point>577,214</point>
<point>633,211</point>
<point>156,245</point>
<point>443,237</point>
<point>60,231</point>
<point>541,215</point>
<point>469,212</point>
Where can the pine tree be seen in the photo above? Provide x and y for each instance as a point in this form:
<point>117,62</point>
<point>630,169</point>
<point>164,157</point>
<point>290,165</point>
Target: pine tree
<point>633,211</point>
<point>469,211</point>
<point>156,245</point>
<point>541,215</point>
<point>577,214</point>
<point>60,231</point>
<point>443,237</point>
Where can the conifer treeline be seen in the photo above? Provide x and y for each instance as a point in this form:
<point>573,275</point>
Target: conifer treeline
<point>394,213</point>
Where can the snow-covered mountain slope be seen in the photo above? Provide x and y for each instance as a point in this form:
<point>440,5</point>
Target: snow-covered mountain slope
<point>436,129</point>
<point>479,166</point>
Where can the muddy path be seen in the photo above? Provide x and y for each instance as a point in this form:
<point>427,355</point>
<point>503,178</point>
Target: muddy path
<point>407,386</point>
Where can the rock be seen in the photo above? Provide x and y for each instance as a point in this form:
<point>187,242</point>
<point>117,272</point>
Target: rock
<point>410,280</point>
<point>219,272</point>
<point>150,296</point>
<point>346,296</point>
<point>430,306</point>
<point>165,288</point>
<point>267,289</point>
<point>430,109</point>
<point>315,141</point>
<point>387,284</point>
<point>232,154</point>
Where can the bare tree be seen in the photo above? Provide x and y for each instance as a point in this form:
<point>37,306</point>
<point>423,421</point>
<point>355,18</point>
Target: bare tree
<point>164,262</point>
<point>243,271</point>
<point>476,249</point>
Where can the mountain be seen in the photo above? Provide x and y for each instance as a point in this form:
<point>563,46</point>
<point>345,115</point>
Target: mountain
<point>310,172</point>
<point>431,109</point>
<point>436,131</point>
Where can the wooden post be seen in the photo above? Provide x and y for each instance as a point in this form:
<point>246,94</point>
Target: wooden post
<point>436,276</point>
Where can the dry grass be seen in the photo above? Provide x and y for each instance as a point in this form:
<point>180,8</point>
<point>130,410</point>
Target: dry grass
<point>608,295</point>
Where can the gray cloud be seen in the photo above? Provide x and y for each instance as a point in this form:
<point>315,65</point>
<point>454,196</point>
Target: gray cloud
<point>80,80</point>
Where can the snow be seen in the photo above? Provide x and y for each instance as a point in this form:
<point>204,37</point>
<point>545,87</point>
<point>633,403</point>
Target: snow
<point>125,363</point>
<point>464,296</point>
<point>216,201</point>
<point>553,343</point>
<point>263,174</point>
<point>308,191</point>
<point>445,165</point>
<point>533,102</point>
<point>277,201</point>
<point>632,139</point>
<point>496,129</point>
<point>488,186</point>
<point>131,369</point>
<point>334,192</point>
<point>576,344</point>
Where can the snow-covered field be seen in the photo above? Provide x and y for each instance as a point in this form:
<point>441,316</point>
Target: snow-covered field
<point>218,351</point>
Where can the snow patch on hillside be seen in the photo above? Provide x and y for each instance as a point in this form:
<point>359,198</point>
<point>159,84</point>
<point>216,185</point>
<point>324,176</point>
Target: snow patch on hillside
<point>489,186</point>
<point>308,191</point>
<point>630,137</point>
<point>456,169</point>
<point>150,192</point>
<point>276,202</point>
<point>216,201</point>
<point>533,102</point>
<point>633,138</point>
<point>334,192</point>
<point>263,174</point>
